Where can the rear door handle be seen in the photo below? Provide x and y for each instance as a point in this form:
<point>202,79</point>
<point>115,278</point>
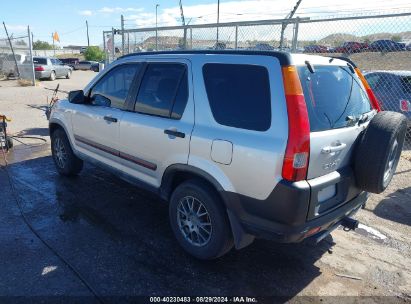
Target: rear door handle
<point>110,119</point>
<point>332,149</point>
<point>174,133</point>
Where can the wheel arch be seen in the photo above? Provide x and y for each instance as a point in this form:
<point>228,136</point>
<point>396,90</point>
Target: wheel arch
<point>55,124</point>
<point>176,174</point>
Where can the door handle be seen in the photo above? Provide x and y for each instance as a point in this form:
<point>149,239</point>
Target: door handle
<point>110,119</point>
<point>332,149</point>
<point>174,133</point>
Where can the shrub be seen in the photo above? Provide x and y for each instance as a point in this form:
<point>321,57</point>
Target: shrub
<point>94,53</point>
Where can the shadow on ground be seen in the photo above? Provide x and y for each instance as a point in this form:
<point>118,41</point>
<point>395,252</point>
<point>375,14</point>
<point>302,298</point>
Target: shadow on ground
<point>34,132</point>
<point>396,207</point>
<point>119,238</point>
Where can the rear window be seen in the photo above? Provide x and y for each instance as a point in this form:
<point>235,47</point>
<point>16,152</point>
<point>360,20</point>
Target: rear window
<point>406,84</point>
<point>332,95</point>
<point>40,61</point>
<point>239,95</point>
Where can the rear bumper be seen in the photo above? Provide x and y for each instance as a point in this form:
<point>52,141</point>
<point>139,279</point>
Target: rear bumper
<point>292,210</point>
<point>293,234</point>
<point>42,74</point>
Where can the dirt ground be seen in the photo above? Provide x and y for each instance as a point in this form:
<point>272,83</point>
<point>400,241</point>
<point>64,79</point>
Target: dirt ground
<point>118,236</point>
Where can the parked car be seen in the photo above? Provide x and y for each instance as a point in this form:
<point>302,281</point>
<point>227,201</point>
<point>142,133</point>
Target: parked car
<point>315,49</point>
<point>351,47</point>
<point>84,65</point>
<point>263,47</point>
<point>8,63</point>
<point>219,46</point>
<point>71,62</point>
<point>50,68</point>
<point>386,46</point>
<point>393,90</point>
<point>408,47</point>
<point>95,66</point>
<point>272,149</point>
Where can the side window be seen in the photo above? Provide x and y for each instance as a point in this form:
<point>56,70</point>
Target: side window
<point>112,90</point>
<point>239,95</point>
<point>163,90</point>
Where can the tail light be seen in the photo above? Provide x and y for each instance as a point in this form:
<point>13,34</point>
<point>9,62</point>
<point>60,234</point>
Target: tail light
<point>297,153</point>
<point>374,101</point>
<point>39,68</point>
<point>405,105</point>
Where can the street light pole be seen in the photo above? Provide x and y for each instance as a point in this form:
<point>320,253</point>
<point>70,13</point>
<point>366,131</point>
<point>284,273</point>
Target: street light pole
<point>157,5</point>
<point>218,16</point>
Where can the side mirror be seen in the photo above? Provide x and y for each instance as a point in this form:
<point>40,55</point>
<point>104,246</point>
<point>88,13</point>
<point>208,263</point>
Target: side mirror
<point>76,97</point>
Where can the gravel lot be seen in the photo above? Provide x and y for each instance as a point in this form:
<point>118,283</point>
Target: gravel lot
<point>118,236</point>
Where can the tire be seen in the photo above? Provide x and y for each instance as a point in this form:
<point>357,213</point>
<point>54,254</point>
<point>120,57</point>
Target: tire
<point>68,76</point>
<point>219,240</point>
<point>379,150</point>
<point>66,162</point>
<point>52,76</point>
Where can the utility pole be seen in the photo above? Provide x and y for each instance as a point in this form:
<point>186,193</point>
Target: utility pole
<point>157,5</point>
<point>284,24</point>
<point>12,50</point>
<point>54,49</point>
<point>218,17</point>
<point>88,38</point>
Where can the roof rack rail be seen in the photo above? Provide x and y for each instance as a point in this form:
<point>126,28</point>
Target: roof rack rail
<point>283,57</point>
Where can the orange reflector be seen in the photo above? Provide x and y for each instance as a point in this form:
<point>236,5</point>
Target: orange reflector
<point>312,231</point>
<point>374,101</point>
<point>292,84</point>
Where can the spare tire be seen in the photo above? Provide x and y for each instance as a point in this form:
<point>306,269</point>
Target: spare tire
<point>379,150</point>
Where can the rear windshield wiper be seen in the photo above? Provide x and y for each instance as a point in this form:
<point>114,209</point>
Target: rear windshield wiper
<point>310,67</point>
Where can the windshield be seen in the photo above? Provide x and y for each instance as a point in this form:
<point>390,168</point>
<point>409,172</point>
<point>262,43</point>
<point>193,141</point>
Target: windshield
<point>334,97</point>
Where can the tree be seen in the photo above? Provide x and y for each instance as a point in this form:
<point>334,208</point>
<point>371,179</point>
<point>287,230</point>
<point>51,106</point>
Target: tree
<point>396,38</point>
<point>94,53</point>
<point>42,45</point>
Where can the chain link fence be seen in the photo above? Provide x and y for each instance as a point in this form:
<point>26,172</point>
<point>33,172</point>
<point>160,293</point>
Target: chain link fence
<point>380,45</point>
<point>16,56</point>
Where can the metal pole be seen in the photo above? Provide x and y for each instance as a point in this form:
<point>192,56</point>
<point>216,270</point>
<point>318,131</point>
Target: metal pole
<point>12,50</point>
<point>218,17</point>
<point>236,37</point>
<point>191,37</point>
<point>128,43</point>
<point>157,5</point>
<point>104,47</point>
<point>33,75</point>
<point>284,24</point>
<point>88,38</point>
<point>122,34</point>
<point>113,48</point>
<point>54,49</point>
<point>295,35</point>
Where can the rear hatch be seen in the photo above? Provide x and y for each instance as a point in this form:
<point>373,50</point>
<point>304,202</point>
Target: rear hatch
<point>338,109</point>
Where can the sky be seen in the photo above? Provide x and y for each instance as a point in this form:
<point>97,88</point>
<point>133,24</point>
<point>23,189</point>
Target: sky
<point>68,18</point>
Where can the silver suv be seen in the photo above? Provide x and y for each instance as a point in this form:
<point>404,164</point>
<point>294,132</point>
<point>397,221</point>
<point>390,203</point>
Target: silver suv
<point>242,144</point>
